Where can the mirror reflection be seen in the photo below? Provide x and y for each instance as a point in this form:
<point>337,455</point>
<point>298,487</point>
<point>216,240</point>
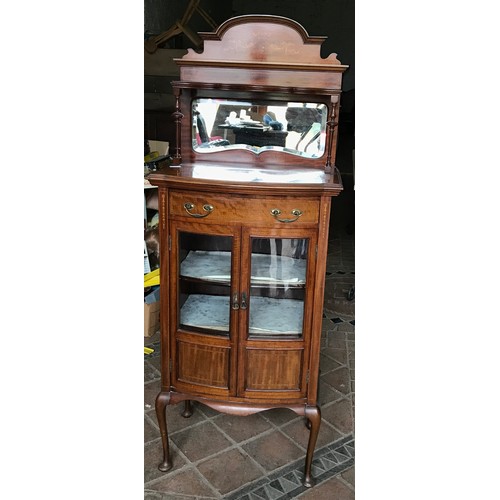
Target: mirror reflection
<point>293,127</point>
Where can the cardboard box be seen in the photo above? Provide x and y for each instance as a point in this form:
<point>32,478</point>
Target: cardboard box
<point>151,318</point>
<point>151,310</point>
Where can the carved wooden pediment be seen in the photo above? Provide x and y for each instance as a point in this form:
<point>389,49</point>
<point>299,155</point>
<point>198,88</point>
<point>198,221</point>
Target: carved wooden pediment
<point>270,41</point>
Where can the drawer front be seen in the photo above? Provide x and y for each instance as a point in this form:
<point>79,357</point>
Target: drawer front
<point>217,208</point>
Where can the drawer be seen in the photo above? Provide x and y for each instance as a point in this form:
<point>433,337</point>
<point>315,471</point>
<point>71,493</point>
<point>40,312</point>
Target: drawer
<point>222,208</point>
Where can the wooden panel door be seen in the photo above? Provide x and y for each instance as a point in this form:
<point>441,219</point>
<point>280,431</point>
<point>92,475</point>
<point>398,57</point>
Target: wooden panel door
<point>276,300</point>
<point>204,260</point>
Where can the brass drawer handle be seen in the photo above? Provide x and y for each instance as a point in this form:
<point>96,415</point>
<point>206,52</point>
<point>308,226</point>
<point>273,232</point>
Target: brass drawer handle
<point>275,212</point>
<point>208,209</point>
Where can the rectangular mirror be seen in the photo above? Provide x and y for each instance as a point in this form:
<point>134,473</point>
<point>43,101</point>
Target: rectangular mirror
<point>297,128</point>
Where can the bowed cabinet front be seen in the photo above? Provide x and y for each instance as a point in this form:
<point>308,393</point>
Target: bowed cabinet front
<point>241,296</point>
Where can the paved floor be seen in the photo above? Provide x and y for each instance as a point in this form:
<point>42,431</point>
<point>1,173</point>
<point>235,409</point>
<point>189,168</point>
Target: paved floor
<point>262,456</point>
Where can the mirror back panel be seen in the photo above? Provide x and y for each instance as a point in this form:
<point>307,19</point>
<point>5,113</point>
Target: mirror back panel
<point>244,101</point>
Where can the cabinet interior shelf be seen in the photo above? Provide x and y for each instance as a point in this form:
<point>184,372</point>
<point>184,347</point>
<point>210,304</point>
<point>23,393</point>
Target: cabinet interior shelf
<point>215,266</point>
<point>268,316</point>
<point>254,285</point>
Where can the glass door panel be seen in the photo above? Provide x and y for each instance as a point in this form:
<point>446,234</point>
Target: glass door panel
<point>204,283</point>
<point>277,287</point>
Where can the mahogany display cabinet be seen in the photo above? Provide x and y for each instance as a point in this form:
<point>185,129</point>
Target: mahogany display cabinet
<point>244,220</point>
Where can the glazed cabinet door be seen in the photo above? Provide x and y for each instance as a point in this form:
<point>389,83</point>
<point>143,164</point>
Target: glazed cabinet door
<point>204,305</point>
<point>276,301</point>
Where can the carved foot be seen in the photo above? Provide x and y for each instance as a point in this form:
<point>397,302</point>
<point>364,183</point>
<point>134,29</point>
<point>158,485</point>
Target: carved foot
<point>165,466</point>
<point>188,409</point>
<point>309,481</point>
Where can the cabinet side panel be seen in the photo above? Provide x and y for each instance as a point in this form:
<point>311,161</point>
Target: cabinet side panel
<point>319,295</point>
<point>164,295</point>
<point>273,369</point>
<point>203,365</point>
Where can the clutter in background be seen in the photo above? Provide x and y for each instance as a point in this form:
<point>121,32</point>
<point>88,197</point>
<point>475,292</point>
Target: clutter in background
<point>155,155</point>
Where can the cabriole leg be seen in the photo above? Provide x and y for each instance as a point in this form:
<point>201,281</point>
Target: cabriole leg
<point>161,403</point>
<point>313,415</point>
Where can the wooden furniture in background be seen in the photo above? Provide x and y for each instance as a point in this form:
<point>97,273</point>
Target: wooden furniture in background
<point>244,229</point>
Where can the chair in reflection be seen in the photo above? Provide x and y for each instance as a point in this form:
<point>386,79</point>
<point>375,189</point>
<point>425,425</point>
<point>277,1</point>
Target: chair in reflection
<point>204,139</point>
<point>306,121</point>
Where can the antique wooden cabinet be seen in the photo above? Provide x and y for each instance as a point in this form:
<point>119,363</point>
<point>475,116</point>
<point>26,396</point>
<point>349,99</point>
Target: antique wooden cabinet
<point>244,220</point>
